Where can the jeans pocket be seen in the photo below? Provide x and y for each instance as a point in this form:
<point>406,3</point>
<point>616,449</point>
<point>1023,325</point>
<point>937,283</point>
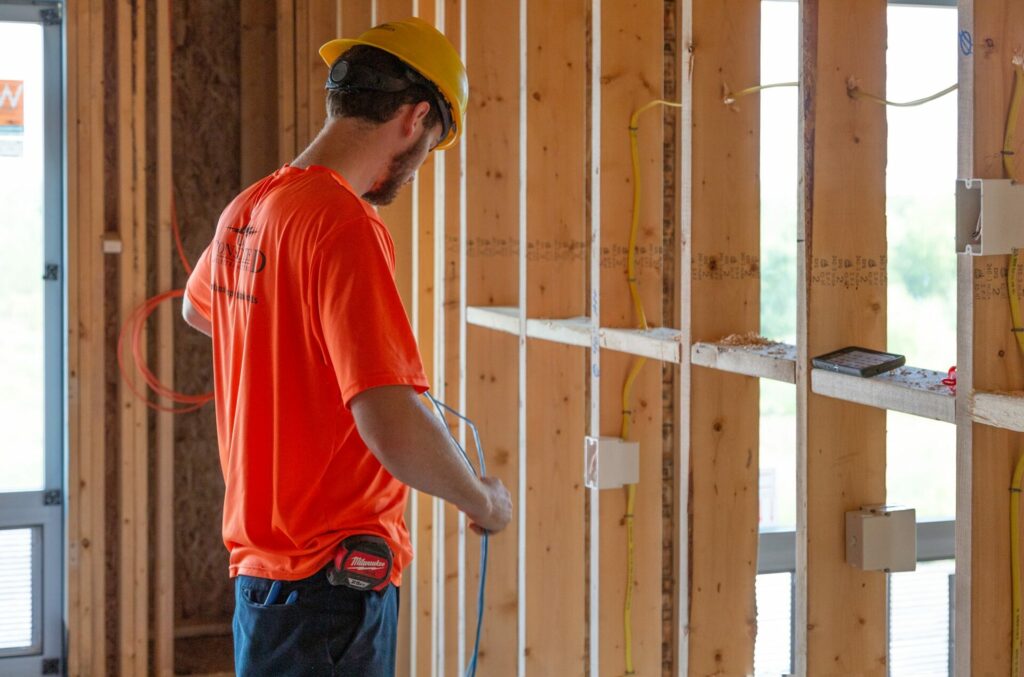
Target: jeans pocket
<point>254,592</point>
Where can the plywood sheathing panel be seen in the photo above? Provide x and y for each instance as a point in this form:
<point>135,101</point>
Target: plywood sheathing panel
<point>492,278</point>
<point>631,71</point>
<point>555,254</point>
<point>986,353</point>
<point>721,225</point>
<point>840,610</point>
<point>206,131</point>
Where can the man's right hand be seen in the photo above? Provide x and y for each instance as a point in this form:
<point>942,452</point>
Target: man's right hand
<point>498,512</point>
<point>416,448</point>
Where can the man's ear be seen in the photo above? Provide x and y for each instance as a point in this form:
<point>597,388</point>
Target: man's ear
<point>414,117</point>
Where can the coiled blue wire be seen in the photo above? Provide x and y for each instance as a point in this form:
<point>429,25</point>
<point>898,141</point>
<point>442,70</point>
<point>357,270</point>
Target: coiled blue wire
<point>441,407</point>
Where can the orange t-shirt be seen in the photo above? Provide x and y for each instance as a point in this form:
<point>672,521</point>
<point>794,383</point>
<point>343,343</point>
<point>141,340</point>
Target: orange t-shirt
<point>299,286</point>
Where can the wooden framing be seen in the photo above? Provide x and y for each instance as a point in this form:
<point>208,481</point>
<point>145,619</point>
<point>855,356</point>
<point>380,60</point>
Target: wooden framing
<point>287,144</point>
<point>998,410</point>
<point>987,357</point>
<point>491,276</point>
<point>86,481</point>
<point>909,390</point>
<point>775,361</point>
<point>449,211</point>
<point>133,574</point>
<point>259,90</point>
<point>492,244</point>
<point>840,446</point>
<point>553,285</point>
<point>398,215</point>
<point>628,54</point>
<point>163,612</point>
<point>719,265</point>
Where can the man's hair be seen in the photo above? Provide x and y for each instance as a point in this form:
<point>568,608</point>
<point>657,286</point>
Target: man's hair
<point>376,106</point>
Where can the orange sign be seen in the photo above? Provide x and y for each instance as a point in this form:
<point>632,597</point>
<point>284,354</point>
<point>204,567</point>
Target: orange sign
<point>12,106</point>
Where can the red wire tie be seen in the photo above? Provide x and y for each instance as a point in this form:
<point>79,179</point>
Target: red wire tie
<point>950,379</point>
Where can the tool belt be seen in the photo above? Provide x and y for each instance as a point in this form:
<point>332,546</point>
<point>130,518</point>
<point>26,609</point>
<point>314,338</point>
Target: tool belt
<point>363,562</point>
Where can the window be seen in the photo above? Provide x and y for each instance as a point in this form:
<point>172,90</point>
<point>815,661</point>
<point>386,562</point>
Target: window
<point>920,208</point>
<point>31,339</point>
<point>921,216</point>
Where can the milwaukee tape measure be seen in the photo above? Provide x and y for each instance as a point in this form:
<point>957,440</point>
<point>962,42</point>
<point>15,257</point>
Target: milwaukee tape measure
<point>362,563</point>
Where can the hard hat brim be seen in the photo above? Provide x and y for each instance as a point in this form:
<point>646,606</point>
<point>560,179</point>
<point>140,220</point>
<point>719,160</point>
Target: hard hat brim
<point>332,50</point>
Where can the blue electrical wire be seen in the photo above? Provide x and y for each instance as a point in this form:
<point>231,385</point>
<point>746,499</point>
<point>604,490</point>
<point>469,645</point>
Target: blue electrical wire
<point>441,407</point>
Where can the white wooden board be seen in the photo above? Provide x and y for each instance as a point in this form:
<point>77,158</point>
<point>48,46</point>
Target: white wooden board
<point>908,389</point>
<point>776,361</point>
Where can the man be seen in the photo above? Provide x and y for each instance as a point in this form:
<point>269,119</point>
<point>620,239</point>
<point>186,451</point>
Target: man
<point>317,372</point>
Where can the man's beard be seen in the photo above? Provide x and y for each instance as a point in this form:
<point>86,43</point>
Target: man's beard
<point>402,168</point>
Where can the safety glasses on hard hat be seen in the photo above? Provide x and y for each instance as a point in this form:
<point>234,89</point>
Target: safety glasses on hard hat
<point>349,77</point>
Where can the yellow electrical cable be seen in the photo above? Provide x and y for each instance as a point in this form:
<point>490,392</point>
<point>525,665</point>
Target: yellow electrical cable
<point>1011,287</point>
<point>1015,489</point>
<point>634,228</point>
<point>857,93</point>
<point>730,98</point>
<point>634,371</point>
<point>1011,118</point>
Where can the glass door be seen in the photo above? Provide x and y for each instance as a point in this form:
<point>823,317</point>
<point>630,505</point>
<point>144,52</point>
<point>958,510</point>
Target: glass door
<point>31,339</point>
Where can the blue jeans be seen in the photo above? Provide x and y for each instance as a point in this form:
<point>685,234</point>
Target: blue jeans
<point>321,629</point>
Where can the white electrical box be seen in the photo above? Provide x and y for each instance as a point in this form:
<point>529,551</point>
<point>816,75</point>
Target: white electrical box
<point>989,216</point>
<point>610,462</point>
<point>882,538</point>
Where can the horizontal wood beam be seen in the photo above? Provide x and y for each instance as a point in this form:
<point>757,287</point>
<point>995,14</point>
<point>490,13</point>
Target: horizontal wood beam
<point>908,389</point>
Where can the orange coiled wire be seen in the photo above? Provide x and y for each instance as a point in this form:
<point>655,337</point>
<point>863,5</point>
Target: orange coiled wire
<point>134,327</point>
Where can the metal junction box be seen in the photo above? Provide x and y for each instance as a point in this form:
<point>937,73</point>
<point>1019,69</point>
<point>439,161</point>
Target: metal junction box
<point>989,216</point>
<point>610,462</point>
<point>882,538</point>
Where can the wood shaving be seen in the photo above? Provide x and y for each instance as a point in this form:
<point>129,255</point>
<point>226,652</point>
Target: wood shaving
<point>750,338</point>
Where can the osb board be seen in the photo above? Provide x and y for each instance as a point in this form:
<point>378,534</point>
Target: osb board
<point>204,655</point>
<point>112,327</point>
<point>670,317</point>
<point>722,226</point>
<point>986,456</point>
<point>206,131</point>
<point>841,446</point>
<point>631,68</point>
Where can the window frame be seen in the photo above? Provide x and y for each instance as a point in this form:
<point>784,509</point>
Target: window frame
<point>43,510</point>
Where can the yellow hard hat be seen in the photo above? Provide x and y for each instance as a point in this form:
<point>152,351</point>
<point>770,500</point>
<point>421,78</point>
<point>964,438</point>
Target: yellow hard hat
<point>427,51</point>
